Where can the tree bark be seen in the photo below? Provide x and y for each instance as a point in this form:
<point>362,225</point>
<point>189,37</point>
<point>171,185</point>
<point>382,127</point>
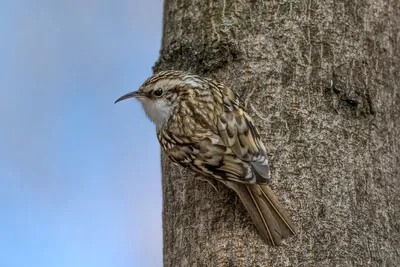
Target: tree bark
<point>321,80</point>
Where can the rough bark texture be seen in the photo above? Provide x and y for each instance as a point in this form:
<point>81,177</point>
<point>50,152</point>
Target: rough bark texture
<point>321,80</point>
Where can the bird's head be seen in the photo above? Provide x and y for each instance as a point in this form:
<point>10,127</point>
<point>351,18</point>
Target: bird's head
<point>161,93</point>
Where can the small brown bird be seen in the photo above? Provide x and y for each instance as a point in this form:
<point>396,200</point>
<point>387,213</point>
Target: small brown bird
<point>201,125</point>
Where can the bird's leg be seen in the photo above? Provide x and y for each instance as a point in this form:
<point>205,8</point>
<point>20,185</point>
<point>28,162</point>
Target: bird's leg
<point>206,179</point>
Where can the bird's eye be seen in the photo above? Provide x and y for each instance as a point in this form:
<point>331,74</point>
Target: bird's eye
<point>158,92</point>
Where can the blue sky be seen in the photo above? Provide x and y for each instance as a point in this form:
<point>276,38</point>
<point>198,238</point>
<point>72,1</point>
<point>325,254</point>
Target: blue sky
<point>80,181</point>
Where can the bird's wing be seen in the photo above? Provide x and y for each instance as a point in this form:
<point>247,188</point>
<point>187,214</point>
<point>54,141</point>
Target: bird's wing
<point>238,133</point>
<point>234,154</point>
<point>237,130</point>
<point>209,157</point>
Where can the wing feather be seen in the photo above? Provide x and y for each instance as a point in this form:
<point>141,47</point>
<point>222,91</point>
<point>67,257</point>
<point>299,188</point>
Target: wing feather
<point>239,134</point>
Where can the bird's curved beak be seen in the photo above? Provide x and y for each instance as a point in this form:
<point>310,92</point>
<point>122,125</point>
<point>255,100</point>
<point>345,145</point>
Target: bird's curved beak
<point>129,95</point>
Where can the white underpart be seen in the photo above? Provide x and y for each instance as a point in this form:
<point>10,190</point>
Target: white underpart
<point>158,110</point>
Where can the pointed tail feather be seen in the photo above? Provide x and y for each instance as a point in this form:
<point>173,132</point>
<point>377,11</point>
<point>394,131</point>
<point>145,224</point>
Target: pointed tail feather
<point>270,219</point>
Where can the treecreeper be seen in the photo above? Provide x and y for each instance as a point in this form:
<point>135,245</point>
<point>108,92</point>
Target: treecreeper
<point>202,126</point>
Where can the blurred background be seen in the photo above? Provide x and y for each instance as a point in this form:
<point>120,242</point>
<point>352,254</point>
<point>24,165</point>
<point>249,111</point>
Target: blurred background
<point>80,181</point>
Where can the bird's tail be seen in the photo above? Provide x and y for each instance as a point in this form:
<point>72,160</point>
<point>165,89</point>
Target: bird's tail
<point>267,214</point>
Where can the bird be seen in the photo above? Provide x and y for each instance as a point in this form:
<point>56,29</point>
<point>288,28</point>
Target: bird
<point>202,125</point>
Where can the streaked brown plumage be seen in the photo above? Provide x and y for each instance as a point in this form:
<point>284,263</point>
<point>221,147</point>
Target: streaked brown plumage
<point>201,125</point>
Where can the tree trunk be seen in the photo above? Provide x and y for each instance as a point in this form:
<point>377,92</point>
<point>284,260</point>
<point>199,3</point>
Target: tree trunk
<point>321,81</point>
